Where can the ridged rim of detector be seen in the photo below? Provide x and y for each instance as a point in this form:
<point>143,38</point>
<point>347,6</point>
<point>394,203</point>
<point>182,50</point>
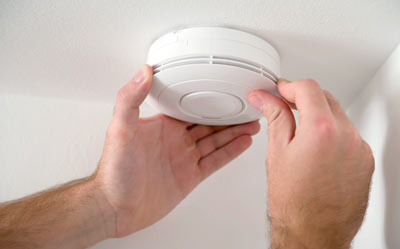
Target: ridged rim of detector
<point>218,60</point>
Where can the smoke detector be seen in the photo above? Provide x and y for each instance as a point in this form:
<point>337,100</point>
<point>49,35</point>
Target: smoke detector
<point>203,75</point>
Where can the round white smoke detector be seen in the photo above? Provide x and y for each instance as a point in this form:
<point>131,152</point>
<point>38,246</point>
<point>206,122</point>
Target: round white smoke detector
<point>203,75</point>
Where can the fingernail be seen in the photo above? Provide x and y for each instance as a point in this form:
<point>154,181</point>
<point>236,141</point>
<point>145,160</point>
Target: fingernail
<point>255,101</point>
<point>139,77</point>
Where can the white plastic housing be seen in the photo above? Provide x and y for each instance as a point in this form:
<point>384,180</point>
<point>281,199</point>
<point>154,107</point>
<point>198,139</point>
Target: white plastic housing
<point>203,75</point>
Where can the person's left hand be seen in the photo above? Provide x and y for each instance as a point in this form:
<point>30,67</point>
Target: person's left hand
<point>151,164</point>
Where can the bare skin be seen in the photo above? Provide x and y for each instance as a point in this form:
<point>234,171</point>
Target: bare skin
<point>319,172</point>
<point>148,166</point>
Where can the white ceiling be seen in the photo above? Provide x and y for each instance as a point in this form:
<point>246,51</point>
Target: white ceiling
<point>87,49</point>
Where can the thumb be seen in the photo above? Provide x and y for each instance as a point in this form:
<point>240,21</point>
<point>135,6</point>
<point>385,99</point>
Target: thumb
<point>131,95</point>
<point>281,123</point>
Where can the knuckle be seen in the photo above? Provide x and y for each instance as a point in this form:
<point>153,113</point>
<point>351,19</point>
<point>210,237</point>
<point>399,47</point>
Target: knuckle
<point>328,94</point>
<point>351,140</point>
<point>353,135</point>
<point>112,129</point>
<point>372,167</point>
<point>325,128</point>
<point>119,133</point>
<point>272,115</point>
<point>368,149</point>
<point>121,95</point>
<point>309,83</point>
<point>369,156</point>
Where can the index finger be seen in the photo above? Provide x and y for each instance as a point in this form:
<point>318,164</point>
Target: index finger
<point>308,97</point>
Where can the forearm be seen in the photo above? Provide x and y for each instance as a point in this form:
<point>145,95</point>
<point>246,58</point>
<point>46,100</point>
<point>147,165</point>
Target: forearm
<point>72,216</point>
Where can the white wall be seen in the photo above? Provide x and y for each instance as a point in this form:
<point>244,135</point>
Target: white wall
<point>376,113</point>
<point>44,142</point>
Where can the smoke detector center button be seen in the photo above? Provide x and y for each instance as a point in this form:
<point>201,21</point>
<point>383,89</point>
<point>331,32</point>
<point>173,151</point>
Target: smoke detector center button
<point>212,105</point>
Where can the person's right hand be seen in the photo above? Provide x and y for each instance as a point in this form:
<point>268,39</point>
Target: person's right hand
<point>319,172</point>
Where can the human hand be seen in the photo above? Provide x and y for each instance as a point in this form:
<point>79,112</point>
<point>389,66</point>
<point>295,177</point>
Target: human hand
<point>151,164</point>
<point>318,173</point>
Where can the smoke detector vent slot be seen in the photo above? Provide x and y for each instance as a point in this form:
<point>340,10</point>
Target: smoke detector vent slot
<point>218,60</point>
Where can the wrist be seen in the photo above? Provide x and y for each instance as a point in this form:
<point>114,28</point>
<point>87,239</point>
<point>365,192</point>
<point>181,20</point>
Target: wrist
<point>290,236</point>
<point>100,209</point>
<point>283,236</point>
